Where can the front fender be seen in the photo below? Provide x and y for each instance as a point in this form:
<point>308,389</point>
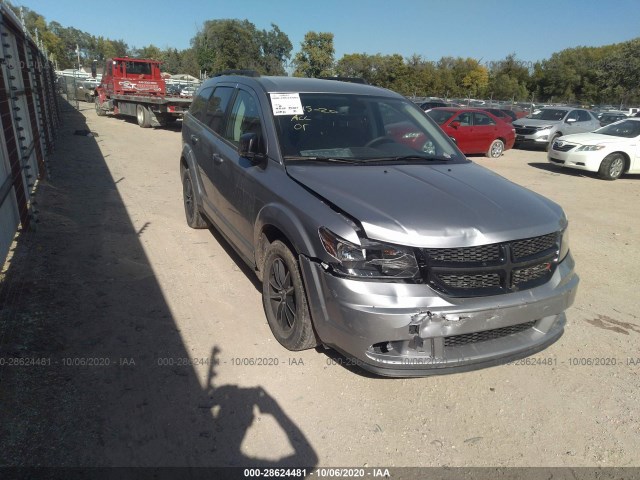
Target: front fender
<point>285,220</point>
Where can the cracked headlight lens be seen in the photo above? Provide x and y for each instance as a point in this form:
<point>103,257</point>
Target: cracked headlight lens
<point>372,259</point>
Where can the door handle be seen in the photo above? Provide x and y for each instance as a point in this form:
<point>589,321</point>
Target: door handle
<point>217,159</point>
<point>194,139</point>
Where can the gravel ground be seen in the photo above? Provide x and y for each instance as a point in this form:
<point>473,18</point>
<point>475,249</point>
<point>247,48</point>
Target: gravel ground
<point>135,333</point>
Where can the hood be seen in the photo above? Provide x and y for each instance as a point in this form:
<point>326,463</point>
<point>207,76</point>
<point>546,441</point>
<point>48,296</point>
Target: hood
<point>530,122</point>
<point>591,138</point>
<point>439,205</point>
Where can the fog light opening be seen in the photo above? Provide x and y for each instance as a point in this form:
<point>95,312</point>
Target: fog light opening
<point>381,347</point>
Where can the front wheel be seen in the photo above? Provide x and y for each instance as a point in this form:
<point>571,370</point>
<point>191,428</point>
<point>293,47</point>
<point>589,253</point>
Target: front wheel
<point>496,149</point>
<point>612,167</point>
<point>284,299</point>
<point>553,140</point>
<point>193,215</point>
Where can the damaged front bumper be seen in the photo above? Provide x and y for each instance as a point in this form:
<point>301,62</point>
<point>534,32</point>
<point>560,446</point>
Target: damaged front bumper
<point>400,329</point>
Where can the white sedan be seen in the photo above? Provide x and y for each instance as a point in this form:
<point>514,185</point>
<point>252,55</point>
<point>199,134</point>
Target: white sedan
<point>610,151</point>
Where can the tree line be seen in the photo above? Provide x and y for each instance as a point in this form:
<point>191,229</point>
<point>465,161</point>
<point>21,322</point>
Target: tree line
<point>587,75</point>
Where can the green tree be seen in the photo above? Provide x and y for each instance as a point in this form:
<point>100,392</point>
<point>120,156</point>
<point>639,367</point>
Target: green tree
<point>275,49</point>
<point>315,58</point>
<point>618,76</point>
<point>227,44</point>
<point>508,79</point>
<point>150,52</point>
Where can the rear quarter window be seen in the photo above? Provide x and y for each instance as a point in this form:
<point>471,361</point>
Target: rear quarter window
<point>199,104</point>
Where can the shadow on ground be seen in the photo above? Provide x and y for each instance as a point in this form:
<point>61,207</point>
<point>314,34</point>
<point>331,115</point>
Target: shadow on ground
<point>90,355</point>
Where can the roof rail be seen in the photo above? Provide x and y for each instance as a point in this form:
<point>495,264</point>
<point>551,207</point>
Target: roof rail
<point>246,73</point>
<point>347,79</point>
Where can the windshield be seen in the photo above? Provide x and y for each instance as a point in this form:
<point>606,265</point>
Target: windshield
<point>623,128</point>
<point>359,128</point>
<point>549,114</point>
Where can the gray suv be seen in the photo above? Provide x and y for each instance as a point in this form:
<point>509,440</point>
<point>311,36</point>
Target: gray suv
<point>370,231</point>
<point>546,125</point>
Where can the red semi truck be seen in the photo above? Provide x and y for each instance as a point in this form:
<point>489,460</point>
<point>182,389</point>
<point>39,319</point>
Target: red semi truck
<point>135,87</point>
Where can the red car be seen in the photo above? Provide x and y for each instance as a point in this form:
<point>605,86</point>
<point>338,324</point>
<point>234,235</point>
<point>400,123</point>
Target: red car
<point>475,131</point>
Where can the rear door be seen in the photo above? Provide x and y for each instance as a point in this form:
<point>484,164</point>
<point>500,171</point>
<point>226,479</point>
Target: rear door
<point>485,131</point>
<point>212,118</point>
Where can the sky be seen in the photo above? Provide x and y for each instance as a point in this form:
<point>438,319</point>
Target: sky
<point>487,30</point>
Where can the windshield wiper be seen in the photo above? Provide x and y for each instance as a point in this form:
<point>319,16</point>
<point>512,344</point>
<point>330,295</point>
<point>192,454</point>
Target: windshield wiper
<point>426,158</point>
<point>350,161</point>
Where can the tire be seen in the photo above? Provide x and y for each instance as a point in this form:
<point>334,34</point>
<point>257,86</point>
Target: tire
<point>143,116</point>
<point>496,149</point>
<point>553,139</point>
<point>191,212</point>
<point>99,111</point>
<point>88,98</point>
<point>612,167</point>
<point>284,299</point>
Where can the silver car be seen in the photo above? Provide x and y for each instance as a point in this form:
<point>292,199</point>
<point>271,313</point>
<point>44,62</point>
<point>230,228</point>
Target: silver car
<point>544,126</point>
<point>371,232</point>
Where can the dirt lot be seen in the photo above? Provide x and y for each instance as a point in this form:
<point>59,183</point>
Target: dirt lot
<point>117,309</point>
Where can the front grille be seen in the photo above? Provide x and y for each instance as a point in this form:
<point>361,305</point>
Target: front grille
<point>482,253</point>
<point>471,281</point>
<point>565,147</point>
<point>524,275</point>
<point>526,130</point>
<point>490,269</point>
<point>531,246</point>
<point>476,337</point>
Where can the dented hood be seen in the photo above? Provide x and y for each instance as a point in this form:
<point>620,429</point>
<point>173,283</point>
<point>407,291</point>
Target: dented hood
<point>440,205</point>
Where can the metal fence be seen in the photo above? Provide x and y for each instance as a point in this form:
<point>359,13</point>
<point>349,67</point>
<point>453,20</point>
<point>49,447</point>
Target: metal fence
<point>30,116</point>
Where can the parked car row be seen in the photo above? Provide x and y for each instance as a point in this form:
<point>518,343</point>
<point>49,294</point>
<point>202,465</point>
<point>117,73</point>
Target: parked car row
<point>180,90</point>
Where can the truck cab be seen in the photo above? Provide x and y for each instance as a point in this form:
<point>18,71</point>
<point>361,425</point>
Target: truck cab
<point>132,76</point>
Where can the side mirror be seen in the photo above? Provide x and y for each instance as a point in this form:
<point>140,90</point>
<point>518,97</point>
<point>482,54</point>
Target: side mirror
<point>571,120</point>
<point>455,124</point>
<point>250,147</point>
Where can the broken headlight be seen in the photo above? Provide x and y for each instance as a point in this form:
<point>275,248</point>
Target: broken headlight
<point>371,259</point>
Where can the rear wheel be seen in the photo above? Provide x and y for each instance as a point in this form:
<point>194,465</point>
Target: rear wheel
<point>99,111</point>
<point>143,116</point>
<point>612,167</point>
<point>496,149</point>
<point>284,299</point>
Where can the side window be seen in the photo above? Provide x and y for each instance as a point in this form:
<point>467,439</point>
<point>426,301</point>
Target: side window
<point>199,103</point>
<point>464,119</point>
<point>216,107</point>
<point>573,115</point>
<point>583,116</point>
<point>244,118</point>
<point>481,119</point>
